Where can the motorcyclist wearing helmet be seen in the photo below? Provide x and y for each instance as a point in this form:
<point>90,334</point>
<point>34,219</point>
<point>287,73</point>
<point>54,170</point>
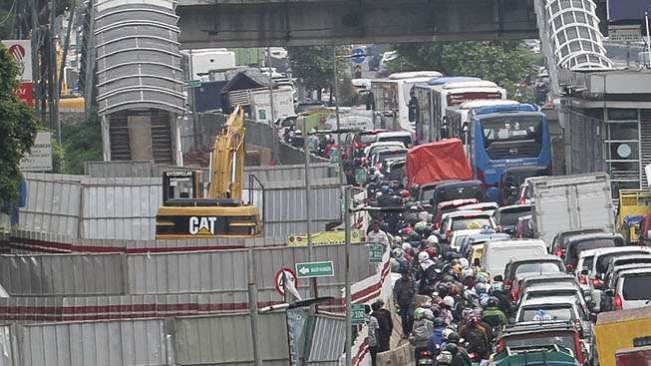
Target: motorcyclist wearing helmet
<point>503,301</point>
<point>422,331</point>
<point>436,339</point>
<point>459,354</point>
<point>478,339</point>
<point>494,316</point>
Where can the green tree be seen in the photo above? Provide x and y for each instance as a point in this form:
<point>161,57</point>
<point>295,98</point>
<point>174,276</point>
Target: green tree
<point>82,141</point>
<point>17,131</point>
<point>314,66</point>
<point>507,63</point>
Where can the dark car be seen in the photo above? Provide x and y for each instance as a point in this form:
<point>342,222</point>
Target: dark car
<point>526,335</point>
<point>559,243</point>
<point>507,217</point>
<point>512,179</point>
<point>453,190</point>
<point>577,244</point>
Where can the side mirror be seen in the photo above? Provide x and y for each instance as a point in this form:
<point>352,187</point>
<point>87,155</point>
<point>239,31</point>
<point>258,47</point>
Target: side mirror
<point>593,317</point>
<point>498,278</point>
<point>585,272</point>
<point>610,292</point>
<point>476,262</point>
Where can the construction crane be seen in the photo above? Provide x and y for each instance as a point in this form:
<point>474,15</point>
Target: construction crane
<point>187,214</point>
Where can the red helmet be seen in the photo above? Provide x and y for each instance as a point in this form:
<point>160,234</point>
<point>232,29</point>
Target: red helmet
<point>431,251</point>
<point>405,193</point>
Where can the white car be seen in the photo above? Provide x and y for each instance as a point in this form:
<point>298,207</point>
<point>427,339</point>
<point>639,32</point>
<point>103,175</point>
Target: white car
<point>377,146</point>
<point>459,236</point>
<point>497,254</point>
<point>554,308</point>
<point>600,261</point>
<point>631,289</point>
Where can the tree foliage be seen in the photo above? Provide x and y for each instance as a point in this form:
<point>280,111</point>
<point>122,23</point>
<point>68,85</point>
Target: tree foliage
<point>17,131</point>
<point>507,63</point>
<point>314,66</point>
<point>82,141</point>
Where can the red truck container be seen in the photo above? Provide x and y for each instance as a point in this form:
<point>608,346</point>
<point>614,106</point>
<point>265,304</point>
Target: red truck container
<point>637,356</point>
<point>438,161</point>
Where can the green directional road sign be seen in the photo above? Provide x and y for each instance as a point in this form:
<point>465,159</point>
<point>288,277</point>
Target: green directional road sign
<point>193,83</point>
<point>357,313</point>
<point>315,269</point>
<point>375,253</point>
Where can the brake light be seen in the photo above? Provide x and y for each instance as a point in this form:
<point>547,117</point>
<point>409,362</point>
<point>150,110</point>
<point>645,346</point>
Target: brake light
<point>580,356</point>
<point>437,226</point>
<point>426,354</point>
<point>507,284</point>
<point>560,252</point>
<point>596,283</point>
<point>515,294</point>
<point>500,346</point>
<point>448,234</point>
<point>570,268</point>
<point>583,280</point>
<point>619,303</point>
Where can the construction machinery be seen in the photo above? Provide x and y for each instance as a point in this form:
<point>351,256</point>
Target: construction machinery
<point>187,213</point>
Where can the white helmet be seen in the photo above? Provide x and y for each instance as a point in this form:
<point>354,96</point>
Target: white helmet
<point>464,263</point>
<point>432,240</point>
<point>448,301</point>
<point>397,253</point>
<point>406,246</point>
<point>422,216</point>
<point>423,256</point>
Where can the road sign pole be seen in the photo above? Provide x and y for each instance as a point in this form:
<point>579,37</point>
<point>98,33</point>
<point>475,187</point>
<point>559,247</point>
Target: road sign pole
<point>349,298</point>
<point>253,308</point>
<point>308,216</point>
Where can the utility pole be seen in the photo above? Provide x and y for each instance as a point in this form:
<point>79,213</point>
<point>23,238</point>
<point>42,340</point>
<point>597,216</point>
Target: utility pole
<point>36,45</point>
<point>51,71</point>
<point>336,95</point>
<point>193,106</point>
<point>253,308</point>
<point>349,297</point>
<point>308,205</point>
<point>62,69</point>
<point>272,108</point>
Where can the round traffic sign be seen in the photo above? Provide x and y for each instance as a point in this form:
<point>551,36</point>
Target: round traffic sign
<point>290,275</point>
<point>358,56</point>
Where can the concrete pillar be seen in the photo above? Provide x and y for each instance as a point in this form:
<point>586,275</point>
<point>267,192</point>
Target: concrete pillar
<point>106,138</point>
<point>140,138</point>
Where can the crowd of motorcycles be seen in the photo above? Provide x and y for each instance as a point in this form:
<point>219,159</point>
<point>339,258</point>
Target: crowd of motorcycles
<point>450,310</point>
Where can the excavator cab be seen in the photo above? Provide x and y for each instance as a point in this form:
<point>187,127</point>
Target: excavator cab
<point>188,214</point>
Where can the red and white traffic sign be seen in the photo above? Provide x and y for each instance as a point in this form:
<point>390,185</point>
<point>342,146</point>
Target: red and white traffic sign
<point>290,275</point>
<point>21,51</point>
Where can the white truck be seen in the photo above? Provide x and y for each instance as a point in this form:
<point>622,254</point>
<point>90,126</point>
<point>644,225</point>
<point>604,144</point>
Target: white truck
<point>260,104</point>
<point>570,202</point>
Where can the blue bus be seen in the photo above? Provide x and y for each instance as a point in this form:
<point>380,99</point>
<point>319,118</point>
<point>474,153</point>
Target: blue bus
<point>508,136</point>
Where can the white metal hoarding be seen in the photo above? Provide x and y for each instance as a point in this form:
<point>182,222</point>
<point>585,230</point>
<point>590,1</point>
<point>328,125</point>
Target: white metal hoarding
<point>21,50</point>
<point>39,158</point>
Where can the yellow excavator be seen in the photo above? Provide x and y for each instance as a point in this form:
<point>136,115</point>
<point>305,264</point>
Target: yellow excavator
<point>187,214</point>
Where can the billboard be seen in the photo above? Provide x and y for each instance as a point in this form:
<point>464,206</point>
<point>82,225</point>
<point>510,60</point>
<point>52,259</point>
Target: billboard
<point>627,10</point>
<point>39,158</point>
<point>21,50</point>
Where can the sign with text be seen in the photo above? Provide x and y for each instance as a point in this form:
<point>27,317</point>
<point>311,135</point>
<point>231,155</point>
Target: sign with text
<point>357,313</point>
<point>315,269</point>
<point>21,51</point>
<point>375,253</point>
<point>39,158</point>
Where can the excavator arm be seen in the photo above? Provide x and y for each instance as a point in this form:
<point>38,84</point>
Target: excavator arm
<point>227,159</point>
<point>222,213</point>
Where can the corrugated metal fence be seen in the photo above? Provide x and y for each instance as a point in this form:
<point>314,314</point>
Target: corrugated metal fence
<point>223,273</point>
<point>125,208</point>
<point>201,340</point>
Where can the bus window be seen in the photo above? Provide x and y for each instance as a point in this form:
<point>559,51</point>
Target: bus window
<point>521,136</point>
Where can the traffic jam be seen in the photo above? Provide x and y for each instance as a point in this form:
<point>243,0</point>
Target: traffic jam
<point>496,260</point>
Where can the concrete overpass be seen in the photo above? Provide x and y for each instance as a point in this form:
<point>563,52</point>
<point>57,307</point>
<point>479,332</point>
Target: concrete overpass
<point>259,23</point>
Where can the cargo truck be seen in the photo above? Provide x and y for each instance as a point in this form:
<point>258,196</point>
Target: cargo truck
<point>570,202</point>
<point>636,356</point>
<point>618,330</point>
